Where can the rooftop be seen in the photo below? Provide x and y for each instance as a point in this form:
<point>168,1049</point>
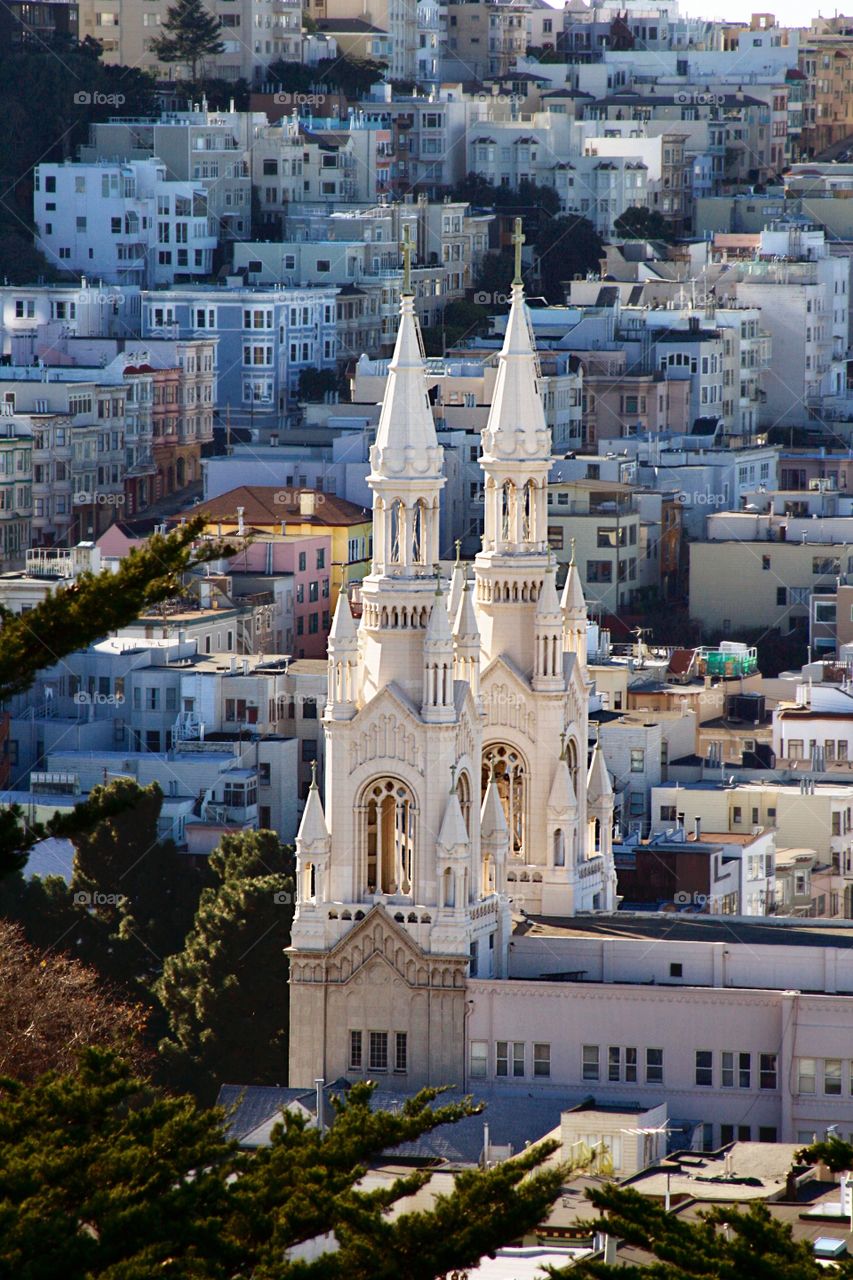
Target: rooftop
<point>764,930</point>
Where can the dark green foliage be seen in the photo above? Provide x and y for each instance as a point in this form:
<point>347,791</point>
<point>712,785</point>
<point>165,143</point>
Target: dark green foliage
<point>225,994</point>
<point>836,1154</point>
<point>568,246</point>
<point>314,384</point>
<point>102,1175</point>
<point>461,320</point>
<point>643,224</point>
<point>752,1244</point>
<point>190,33</point>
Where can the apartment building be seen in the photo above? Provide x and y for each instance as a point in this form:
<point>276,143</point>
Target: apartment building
<point>123,222</point>
<point>266,338</point>
<point>254,34</point>
<point>16,486</point>
<point>637,747</point>
<point>199,146</point>
<point>33,316</point>
<point>483,39</point>
<point>706,873</point>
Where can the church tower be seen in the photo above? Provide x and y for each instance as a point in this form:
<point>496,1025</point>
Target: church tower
<point>394,911</point>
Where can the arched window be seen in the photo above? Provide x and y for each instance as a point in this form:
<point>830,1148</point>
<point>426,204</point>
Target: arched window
<point>449,888</point>
<point>508,512</point>
<point>389,837</point>
<point>463,793</point>
<point>398,525</point>
<point>511,778</point>
<point>559,847</point>
<point>419,528</point>
<point>528,521</point>
<point>572,762</point>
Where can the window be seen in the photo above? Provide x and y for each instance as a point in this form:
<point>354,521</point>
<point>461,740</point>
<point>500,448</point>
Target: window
<point>589,1070</point>
<point>401,1051</point>
<point>309,709</point>
<point>832,1077</point>
<point>744,1073</point>
<point>638,759</point>
<point>704,1067</point>
<point>378,1051</point>
<point>727,1069</point>
<point>654,1066</point>
<point>321,558</point>
<point>676,970</point>
<point>502,1058</point>
<point>542,1060</point>
<point>767,1072</point>
<point>355,1051</point>
<point>614,1063</point>
<point>630,1066</point>
<point>781,595</point>
<point>479,1060</point>
<point>518,1058</point>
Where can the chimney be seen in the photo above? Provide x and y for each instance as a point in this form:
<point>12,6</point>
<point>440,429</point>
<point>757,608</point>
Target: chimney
<point>307,502</point>
<point>233,665</point>
<point>697,828</point>
<point>321,1109</point>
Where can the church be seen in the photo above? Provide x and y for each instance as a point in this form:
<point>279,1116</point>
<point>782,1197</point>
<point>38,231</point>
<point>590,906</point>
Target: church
<point>456,782</point>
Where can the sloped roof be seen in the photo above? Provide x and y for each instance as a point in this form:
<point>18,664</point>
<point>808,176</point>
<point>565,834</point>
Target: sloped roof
<point>265,504</point>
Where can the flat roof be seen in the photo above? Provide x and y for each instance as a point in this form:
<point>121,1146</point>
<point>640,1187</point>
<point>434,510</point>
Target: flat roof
<point>666,927</point>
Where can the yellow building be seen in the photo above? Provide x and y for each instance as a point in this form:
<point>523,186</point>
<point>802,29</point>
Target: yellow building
<point>275,512</point>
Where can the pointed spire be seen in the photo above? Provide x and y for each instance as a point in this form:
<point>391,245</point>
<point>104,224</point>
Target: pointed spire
<point>572,601</point>
<point>456,581</point>
<point>493,827</point>
<point>343,624</point>
<point>453,833</point>
<point>599,789</point>
<point>406,442</point>
<point>465,623</point>
<point>312,829</point>
<point>547,603</point>
<point>516,425</point>
<point>438,627</point>
<point>562,798</point>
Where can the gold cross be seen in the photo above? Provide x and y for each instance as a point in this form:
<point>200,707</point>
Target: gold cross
<point>518,241</point>
<point>407,249</point>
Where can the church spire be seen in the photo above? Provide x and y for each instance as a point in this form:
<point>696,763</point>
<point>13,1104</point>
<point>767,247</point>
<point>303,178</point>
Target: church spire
<point>437,704</point>
<point>466,640</point>
<point>343,661</point>
<point>548,636</point>
<point>573,609</point>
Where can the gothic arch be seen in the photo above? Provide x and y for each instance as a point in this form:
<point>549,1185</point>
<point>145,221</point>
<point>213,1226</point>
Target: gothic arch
<point>507,511</point>
<point>572,762</point>
<point>387,813</point>
<point>419,532</point>
<point>398,527</point>
<point>463,793</point>
<point>511,774</point>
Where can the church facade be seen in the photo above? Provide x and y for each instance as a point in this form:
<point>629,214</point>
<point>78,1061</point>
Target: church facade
<point>456,779</point>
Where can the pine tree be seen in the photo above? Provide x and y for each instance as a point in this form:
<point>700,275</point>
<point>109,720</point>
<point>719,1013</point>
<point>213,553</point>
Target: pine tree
<point>103,1175</point>
<point>69,620</point>
<point>225,994</point>
<point>190,33</point>
<point>724,1244</point>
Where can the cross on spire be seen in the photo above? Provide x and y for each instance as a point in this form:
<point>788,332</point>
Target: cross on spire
<point>407,249</point>
<point>573,552</point>
<point>518,241</point>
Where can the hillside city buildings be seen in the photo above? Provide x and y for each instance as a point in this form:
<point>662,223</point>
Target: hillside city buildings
<point>534,635</point>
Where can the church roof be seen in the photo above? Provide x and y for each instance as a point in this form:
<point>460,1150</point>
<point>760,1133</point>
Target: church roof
<point>453,832</point>
<point>405,437</point>
<point>598,786</point>
<point>343,626</point>
<point>312,828</point>
<point>562,796</point>
<point>516,424</point>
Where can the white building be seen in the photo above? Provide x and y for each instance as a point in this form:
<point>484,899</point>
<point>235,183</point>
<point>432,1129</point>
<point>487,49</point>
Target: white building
<point>433,703</point>
<point>123,222</point>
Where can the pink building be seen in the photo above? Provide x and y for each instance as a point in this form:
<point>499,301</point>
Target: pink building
<point>309,561</point>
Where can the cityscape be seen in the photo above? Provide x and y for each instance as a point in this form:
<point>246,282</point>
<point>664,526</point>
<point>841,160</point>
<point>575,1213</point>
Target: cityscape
<point>426,640</point>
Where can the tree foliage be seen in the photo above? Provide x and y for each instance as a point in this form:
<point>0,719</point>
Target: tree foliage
<point>50,1007</point>
<point>724,1244</point>
<point>103,1175</point>
<point>834,1152</point>
<point>638,223</point>
<point>190,33</point>
<point>568,246</point>
<point>225,994</point>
